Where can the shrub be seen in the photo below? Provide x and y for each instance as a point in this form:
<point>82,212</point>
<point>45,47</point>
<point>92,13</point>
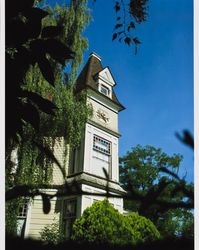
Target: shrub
<point>52,234</point>
<point>103,224</point>
<point>143,229</point>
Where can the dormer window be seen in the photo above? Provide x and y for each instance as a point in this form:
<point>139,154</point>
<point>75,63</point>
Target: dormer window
<point>104,90</point>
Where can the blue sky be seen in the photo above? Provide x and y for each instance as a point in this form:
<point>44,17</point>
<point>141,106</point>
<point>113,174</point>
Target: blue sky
<point>156,84</point>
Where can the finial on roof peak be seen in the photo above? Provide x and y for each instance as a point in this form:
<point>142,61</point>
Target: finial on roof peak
<point>95,55</point>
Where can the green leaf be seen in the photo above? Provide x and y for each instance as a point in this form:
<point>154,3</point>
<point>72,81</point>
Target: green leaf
<point>131,26</point>
<point>51,31</point>
<point>30,114</point>
<point>127,40</point>
<point>35,14</point>
<point>118,25</point>
<point>114,36</point>
<point>46,70</point>
<point>186,138</point>
<point>43,104</point>
<point>58,51</point>
<point>117,6</point>
<point>136,41</point>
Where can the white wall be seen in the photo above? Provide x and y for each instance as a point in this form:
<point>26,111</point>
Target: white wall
<point>112,124</point>
<point>37,220</point>
<point>88,200</point>
<point>90,162</point>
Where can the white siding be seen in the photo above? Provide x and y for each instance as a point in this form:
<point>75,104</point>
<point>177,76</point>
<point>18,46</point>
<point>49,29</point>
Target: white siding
<point>88,200</point>
<point>59,153</point>
<point>38,220</point>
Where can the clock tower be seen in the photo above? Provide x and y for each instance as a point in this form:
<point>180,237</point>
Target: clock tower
<point>99,146</point>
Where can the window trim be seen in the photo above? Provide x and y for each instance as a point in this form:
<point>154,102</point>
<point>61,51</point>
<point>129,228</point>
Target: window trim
<point>68,217</point>
<point>101,153</point>
<point>23,209</point>
<point>107,90</point>
<point>101,149</point>
<point>22,216</point>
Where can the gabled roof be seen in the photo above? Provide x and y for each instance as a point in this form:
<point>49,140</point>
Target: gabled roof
<point>107,76</point>
<point>88,78</point>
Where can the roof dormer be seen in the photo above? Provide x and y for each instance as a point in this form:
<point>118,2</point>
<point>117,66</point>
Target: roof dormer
<point>105,82</point>
<point>99,79</point>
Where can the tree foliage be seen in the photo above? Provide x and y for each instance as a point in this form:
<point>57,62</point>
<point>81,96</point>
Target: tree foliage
<point>176,223</point>
<point>186,138</point>
<point>69,111</point>
<point>27,44</point>
<point>73,18</point>
<point>144,166</point>
<point>103,224</point>
<point>142,228</point>
<point>54,112</point>
<point>151,177</point>
<point>52,234</point>
<point>128,15</point>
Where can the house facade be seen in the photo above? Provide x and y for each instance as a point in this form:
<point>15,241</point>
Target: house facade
<point>91,164</point>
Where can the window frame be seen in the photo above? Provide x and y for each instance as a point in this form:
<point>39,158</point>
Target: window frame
<point>23,209</point>
<point>106,88</point>
<point>68,217</point>
<point>101,149</point>
<point>22,217</point>
<point>101,153</point>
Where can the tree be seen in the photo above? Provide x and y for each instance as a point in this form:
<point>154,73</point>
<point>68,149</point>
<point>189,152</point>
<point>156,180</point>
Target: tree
<point>69,111</point>
<point>150,177</point>
<point>27,43</point>
<point>176,223</point>
<point>103,224</point>
<point>73,18</point>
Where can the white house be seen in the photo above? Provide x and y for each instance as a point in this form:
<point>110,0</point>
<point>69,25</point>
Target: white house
<point>98,151</point>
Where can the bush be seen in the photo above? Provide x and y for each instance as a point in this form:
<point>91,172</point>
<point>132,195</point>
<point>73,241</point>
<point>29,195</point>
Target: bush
<point>12,209</point>
<point>103,224</point>
<point>52,234</point>
<point>143,229</point>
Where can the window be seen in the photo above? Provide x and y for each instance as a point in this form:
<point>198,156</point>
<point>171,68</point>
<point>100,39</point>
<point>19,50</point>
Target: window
<point>21,218</point>
<point>101,145</point>
<point>104,90</point>
<point>101,158</point>
<point>23,209</point>
<point>69,216</point>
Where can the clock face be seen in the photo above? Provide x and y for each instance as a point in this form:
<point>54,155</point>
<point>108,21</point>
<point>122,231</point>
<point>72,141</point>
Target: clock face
<point>102,115</point>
